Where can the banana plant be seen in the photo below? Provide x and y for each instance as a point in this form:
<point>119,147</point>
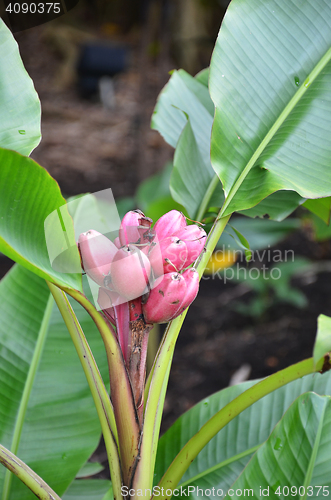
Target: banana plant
<point>251,135</point>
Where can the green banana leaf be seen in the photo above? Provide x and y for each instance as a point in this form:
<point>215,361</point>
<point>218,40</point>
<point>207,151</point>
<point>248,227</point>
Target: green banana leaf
<point>224,458</point>
<point>47,414</point>
<point>20,111</point>
<point>35,225</point>
<point>184,116</point>
<point>295,461</point>
<point>270,81</point>
<point>89,489</point>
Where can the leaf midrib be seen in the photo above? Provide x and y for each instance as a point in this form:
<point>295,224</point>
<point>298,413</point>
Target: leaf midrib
<point>27,391</point>
<point>275,127</point>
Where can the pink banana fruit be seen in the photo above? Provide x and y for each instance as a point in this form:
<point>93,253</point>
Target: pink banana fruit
<point>135,229</point>
<point>165,300</point>
<point>168,255</point>
<point>117,242</point>
<point>194,237</point>
<point>191,277</point>
<point>97,253</point>
<point>129,272</point>
<point>169,223</point>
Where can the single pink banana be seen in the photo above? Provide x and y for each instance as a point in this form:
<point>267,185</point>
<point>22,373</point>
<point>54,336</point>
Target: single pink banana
<point>165,300</point>
<point>191,277</point>
<point>117,242</point>
<point>169,223</point>
<point>97,253</point>
<point>129,273</point>
<point>135,229</point>
<point>194,237</point>
<point>168,255</point>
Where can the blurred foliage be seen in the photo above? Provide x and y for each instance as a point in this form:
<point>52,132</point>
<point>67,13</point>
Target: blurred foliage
<point>320,207</point>
<point>153,196</point>
<point>259,233</point>
<point>320,230</point>
<point>272,287</point>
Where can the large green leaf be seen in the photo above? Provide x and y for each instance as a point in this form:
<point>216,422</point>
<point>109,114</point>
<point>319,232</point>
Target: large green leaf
<point>190,178</point>
<point>28,195</point>
<point>180,116</point>
<point>89,469</point>
<point>295,461</point>
<point>20,111</point>
<point>223,459</point>
<point>89,489</point>
<point>270,80</point>
<point>182,97</point>
<point>184,115</point>
<point>47,415</point>
<point>277,206</point>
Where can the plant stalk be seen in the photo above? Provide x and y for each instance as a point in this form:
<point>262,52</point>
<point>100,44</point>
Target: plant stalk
<point>99,393</point>
<point>27,475</point>
<point>187,454</point>
<point>139,331</point>
<point>125,411</point>
<point>206,199</point>
<point>157,382</point>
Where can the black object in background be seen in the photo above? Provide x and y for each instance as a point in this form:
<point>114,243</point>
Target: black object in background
<point>97,60</point>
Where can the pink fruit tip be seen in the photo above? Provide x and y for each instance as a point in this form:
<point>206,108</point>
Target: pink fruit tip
<point>164,301</point>
<point>130,271</point>
<point>169,223</point>
<point>135,229</point>
<point>97,253</point>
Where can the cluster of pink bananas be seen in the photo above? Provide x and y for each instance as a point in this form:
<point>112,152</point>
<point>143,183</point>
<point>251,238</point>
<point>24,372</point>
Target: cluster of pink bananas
<point>145,267</point>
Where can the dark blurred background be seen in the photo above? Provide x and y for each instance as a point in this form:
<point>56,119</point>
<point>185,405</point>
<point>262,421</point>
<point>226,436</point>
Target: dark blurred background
<point>98,71</point>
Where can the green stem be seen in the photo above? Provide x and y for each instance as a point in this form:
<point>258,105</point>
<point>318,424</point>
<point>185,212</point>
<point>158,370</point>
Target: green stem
<point>26,475</point>
<point>187,454</point>
<point>153,346</point>
<point>158,382</point>
<point>212,240</point>
<point>99,393</point>
<point>206,199</point>
<point>27,391</point>
<point>125,411</point>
